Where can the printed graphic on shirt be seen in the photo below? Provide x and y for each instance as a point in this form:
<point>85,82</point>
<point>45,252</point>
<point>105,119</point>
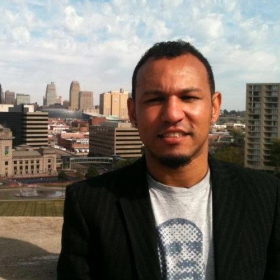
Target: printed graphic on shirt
<point>180,250</point>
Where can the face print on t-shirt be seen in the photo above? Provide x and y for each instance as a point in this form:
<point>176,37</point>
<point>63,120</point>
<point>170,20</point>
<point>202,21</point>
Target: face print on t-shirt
<point>180,250</point>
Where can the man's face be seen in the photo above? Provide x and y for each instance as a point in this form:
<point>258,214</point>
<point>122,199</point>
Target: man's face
<point>173,108</point>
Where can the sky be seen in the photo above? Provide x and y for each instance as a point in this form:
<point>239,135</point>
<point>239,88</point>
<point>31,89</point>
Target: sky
<point>99,42</point>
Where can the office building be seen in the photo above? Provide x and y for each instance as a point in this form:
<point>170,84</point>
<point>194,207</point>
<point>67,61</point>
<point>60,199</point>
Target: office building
<point>28,127</point>
<point>113,138</point>
<point>50,97</point>
<point>22,98</point>
<point>262,123</point>
<point>74,95</point>
<point>114,103</point>
<point>35,129</point>
<point>2,99</point>
<point>85,100</point>
<point>10,97</point>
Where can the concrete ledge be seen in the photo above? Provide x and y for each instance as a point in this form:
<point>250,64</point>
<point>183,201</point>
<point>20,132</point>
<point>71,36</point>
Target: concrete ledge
<point>29,247</point>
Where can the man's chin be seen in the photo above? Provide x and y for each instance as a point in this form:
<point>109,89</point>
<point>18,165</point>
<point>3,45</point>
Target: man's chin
<point>174,162</point>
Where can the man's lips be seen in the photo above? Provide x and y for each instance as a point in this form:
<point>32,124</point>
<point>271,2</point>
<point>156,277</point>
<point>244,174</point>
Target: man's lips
<point>173,134</point>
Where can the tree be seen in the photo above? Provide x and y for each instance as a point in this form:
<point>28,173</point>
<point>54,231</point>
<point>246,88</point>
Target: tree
<point>79,175</point>
<point>238,136</point>
<point>124,162</point>
<point>62,176</point>
<point>92,172</point>
<point>230,154</point>
<point>275,155</point>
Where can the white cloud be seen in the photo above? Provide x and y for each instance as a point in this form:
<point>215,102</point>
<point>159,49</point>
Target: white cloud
<point>99,42</point>
<point>21,34</point>
<point>72,20</point>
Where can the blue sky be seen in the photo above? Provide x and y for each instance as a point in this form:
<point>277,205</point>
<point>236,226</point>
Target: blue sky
<point>98,42</point>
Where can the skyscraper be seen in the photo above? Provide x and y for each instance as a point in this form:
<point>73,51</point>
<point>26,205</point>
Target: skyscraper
<point>1,95</point>
<point>85,100</point>
<point>262,123</point>
<point>9,97</point>
<point>22,98</point>
<point>74,95</point>
<point>51,95</point>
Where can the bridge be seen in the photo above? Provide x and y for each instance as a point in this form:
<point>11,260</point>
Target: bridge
<point>68,161</point>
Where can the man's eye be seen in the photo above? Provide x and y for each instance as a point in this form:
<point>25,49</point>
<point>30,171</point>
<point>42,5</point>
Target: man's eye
<point>154,100</point>
<point>188,98</point>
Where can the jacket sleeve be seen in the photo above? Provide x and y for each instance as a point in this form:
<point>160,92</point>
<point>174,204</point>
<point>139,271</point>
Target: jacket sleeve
<point>273,259</point>
<point>74,261</point>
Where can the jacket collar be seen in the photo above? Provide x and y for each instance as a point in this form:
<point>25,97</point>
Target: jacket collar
<point>138,215</point>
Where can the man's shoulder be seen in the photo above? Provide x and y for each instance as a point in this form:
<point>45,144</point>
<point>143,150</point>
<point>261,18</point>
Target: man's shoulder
<point>241,173</point>
<point>110,180</point>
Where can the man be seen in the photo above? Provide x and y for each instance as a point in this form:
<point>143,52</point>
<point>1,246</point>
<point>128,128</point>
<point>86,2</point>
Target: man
<point>176,213</point>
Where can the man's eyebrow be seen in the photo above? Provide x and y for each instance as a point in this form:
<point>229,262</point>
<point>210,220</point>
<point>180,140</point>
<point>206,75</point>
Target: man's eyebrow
<point>161,92</point>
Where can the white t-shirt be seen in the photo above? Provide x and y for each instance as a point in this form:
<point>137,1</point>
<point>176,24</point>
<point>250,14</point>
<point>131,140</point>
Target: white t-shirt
<point>183,220</point>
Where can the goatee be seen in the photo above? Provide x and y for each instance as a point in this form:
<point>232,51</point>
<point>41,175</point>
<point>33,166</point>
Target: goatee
<point>175,162</point>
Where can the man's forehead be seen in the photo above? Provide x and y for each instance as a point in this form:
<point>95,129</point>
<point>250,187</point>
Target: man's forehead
<point>155,63</point>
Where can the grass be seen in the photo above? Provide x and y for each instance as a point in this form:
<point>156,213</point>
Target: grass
<point>32,208</point>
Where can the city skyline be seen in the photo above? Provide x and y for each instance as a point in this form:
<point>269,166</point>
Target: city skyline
<point>98,43</point>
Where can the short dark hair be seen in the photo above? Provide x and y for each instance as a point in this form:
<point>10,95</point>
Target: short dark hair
<point>171,49</point>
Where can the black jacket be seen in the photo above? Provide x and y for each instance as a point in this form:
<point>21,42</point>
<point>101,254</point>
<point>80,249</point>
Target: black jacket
<point>109,230</point>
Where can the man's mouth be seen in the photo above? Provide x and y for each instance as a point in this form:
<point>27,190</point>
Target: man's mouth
<point>173,135</point>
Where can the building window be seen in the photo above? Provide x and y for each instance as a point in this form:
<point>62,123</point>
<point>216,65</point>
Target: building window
<point>6,163</point>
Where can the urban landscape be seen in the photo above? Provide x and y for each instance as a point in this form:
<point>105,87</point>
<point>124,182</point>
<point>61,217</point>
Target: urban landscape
<point>45,148</point>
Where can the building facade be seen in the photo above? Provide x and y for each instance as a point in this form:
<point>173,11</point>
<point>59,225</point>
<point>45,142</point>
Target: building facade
<point>24,161</point>
<point>74,95</point>
<point>262,123</point>
<point>35,129</point>
<point>6,157</point>
<point>22,98</point>
<point>85,100</point>
<point>111,139</point>
<point>50,97</point>
<point>28,127</point>
<point>2,99</point>
<point>114,103</point>
<point>10,97</point>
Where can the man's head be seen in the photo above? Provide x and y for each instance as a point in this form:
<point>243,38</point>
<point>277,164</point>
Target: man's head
<point>173,104</point>
<point>170,50</point>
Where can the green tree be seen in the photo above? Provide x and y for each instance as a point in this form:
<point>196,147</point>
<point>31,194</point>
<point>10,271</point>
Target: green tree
<point>62,176</point>
<point>123,162</point>
<point>230,154</point>
<point>79,175</point>
<point>238,136</point>
<point>92,172</point>
<point>275,155</point>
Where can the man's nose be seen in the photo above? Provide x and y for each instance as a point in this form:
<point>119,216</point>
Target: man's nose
<point>172,110</point>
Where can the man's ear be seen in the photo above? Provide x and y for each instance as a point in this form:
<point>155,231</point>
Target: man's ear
<point>216,106</point>
<point>131,111</point>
